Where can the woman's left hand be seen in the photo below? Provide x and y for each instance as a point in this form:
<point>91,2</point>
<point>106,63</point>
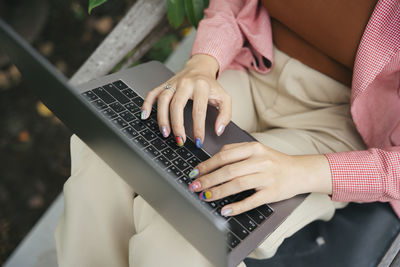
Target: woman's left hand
<point>274,176</point>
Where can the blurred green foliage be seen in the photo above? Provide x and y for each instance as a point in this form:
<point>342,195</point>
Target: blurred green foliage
<point>176,10</point>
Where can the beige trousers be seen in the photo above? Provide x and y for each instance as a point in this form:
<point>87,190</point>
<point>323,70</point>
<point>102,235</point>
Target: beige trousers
<point>293,109</point>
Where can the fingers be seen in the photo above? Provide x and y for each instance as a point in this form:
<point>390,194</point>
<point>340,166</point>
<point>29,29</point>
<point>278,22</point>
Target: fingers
<point>224,115</point>
<point>200,101</point>
<point>249,203</point>
<point>149,100</point>
<point>234,186</point>
<point>228,154</point>
<point>225,174</point>
<point>163,112</point>
<point>176,108</point>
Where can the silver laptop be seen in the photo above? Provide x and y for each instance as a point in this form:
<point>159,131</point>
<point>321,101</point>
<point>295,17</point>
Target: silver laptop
<point>105,114</point>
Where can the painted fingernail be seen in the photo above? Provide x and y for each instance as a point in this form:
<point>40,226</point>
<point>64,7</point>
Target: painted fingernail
<point>198,143</point>
<point>143,115</point>
<point>164,131</point>
<point>193,173</point>
<point>226,212</point>
<point>220,130</point>
<point>179,141</point>
<point>205,195</point>
<point>193,187</point>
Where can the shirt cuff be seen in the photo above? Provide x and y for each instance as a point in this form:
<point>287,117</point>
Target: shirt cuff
<point>216,41</point>
<point>355,176</point>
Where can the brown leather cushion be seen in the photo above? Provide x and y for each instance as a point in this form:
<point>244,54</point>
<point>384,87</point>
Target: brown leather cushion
<point>322,34</point>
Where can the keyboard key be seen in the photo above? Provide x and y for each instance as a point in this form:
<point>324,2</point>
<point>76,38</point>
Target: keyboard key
<point>151,124</point>
<point>99,104</point>
<point>159,144</point>
<point>199,153</point>
<point>132,107</point>
<point>193,162</point>
<point>109,113</point>
<point>265,210</point>
<point>138,101</point>
<point>120,85</point>
<point>184,153</point>
<point>245,220</point>
<point>224,202</point>
<point>141,141</point>
<point>173,170</point>
<point>162,161</point>
<point>117,107</point>
<point>106,97</point>
<point>232,240</point>
<point>127,116</point>
<point>129,93</point>
<point>169,154</point>
<point>119,122</point>
<point>149,135</point>
<point>137,125</point>
<point>213,204</point>
<point>89,95</point>
<point>112,90</point>
<point>187,171</point>
<point>185,181</point>
<point>152,151</point>
<point>237,229</point>
<point>153,114</point>
<point>256,216</point>
<point>130,132</point>
<point>180,163</point>
<point>172,143</point>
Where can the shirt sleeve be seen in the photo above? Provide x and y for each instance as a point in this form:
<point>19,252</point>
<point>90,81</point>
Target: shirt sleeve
<point>365,176</point>
<point>218,34</point>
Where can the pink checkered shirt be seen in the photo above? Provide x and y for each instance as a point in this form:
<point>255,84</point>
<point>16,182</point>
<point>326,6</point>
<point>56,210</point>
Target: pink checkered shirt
<point>363,176</point>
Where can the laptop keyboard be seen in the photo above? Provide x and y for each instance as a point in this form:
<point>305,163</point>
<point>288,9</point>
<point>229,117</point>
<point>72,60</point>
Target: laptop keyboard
<point>122,106</point>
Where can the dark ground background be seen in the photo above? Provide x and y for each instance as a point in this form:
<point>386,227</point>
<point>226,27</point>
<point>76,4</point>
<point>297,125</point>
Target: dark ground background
<point>34,145</point>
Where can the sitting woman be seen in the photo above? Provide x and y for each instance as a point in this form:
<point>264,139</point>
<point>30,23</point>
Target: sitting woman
<point>316,134</point>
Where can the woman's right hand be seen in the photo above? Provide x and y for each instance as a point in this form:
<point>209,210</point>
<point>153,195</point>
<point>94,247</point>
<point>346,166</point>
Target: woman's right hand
<point>196,81</point>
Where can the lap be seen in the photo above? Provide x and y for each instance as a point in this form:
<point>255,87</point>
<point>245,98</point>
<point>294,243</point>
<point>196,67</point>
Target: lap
<point>101,216</point>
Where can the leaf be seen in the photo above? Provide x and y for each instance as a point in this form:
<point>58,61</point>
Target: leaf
<point>175,12</point>
<point>194,11</point>
<point>95,3</point>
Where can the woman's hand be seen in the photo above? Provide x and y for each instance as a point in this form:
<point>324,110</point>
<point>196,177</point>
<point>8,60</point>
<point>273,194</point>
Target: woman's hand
<point>274,176</point>
<point>197,81</point>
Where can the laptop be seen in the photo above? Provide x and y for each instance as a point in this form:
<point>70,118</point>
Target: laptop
<point>105,114</point>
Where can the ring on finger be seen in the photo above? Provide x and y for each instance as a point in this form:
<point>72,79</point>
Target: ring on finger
<point>169,87</point>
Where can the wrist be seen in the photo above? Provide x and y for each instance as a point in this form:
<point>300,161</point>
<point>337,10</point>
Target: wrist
<point>316,173</point>
<point>204,64</point>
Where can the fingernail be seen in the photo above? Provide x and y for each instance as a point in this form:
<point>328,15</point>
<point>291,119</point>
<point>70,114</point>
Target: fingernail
<point>220,130</point>
<point>198,143</point>
<point>164,131</point>
<point>179,141</point>
<point>194,173</point>
<point>143,115</point>
<point>205,195</point>
<point>226,212</point>
<point>193,187</point>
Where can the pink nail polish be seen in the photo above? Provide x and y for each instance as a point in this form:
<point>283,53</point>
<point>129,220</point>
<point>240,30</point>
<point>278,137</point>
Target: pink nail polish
<point>164,131</point>
<point>220,130</point>
<point>193,187</point>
